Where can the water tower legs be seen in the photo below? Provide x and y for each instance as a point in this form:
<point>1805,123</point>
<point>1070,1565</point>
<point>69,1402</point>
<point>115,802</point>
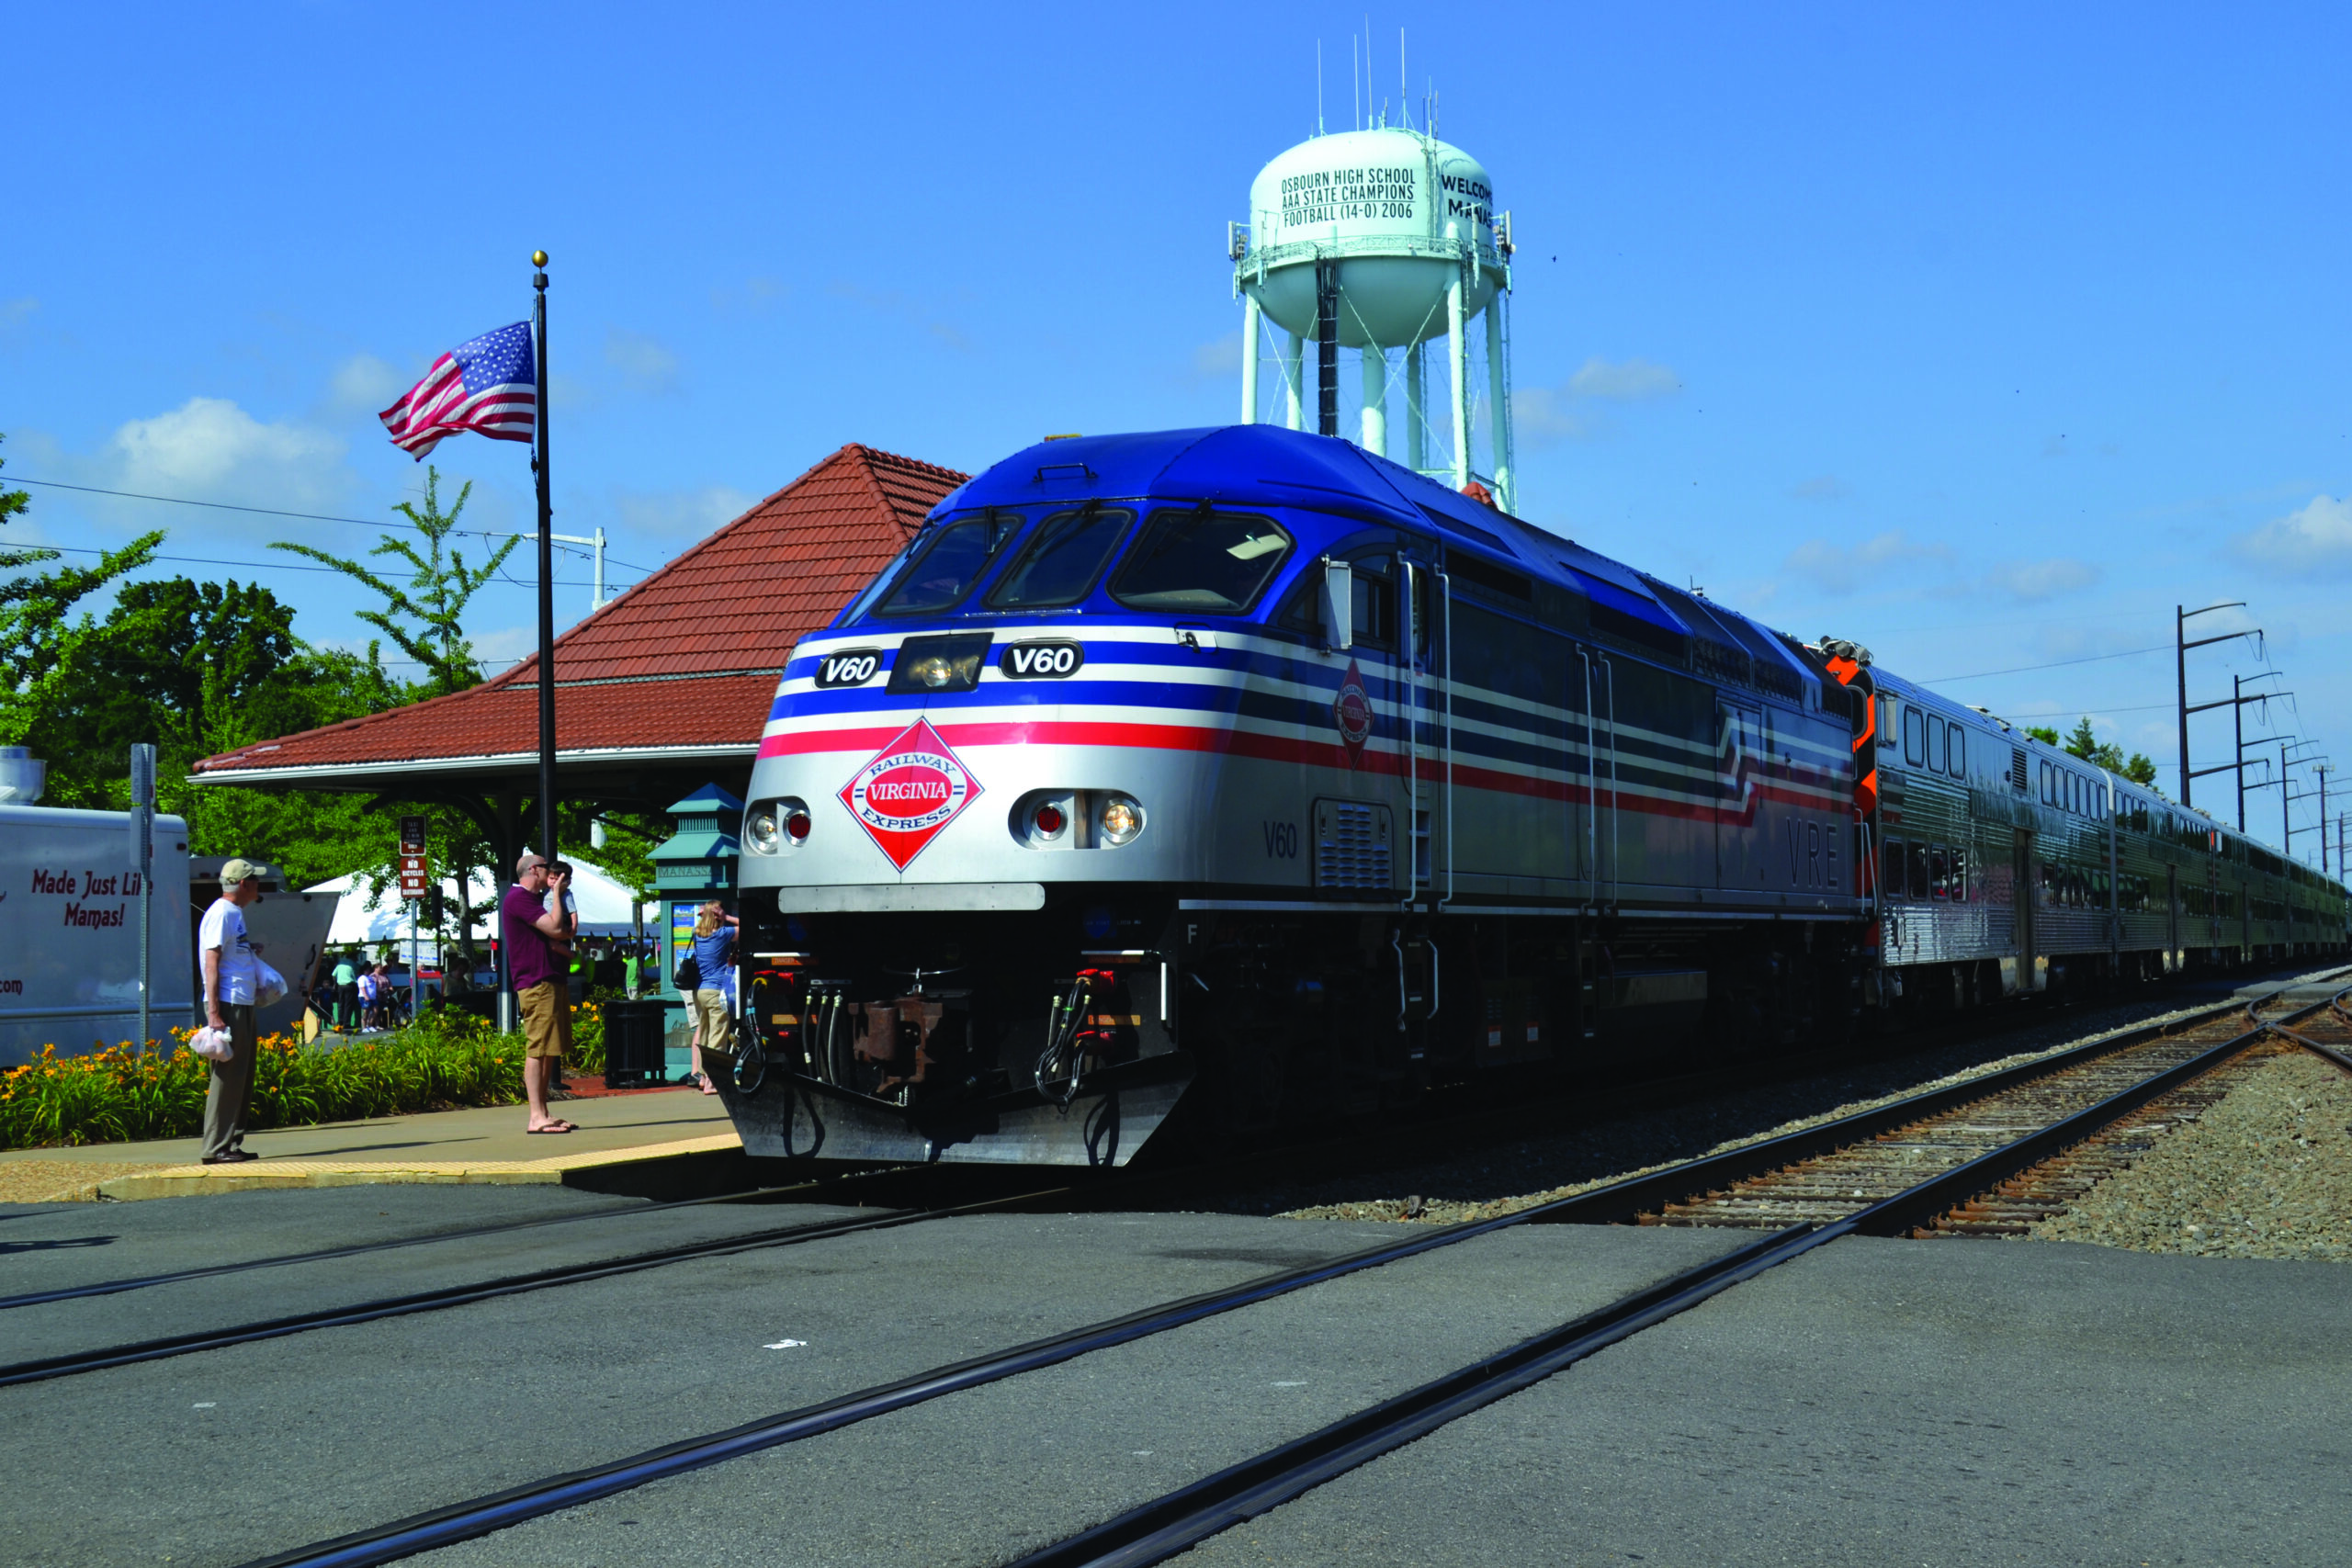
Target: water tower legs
<point>1499,398</point>
<point>1293,387</point>
<point>1457,351</point>
<point>1250,333</point>
<point>1376,399</point>
<point>1416,433</point>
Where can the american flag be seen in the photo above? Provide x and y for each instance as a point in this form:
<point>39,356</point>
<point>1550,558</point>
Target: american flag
<point>488,385</point>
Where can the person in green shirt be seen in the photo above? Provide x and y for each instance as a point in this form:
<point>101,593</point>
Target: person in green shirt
<point>628,972</point>
<point>346,993</point>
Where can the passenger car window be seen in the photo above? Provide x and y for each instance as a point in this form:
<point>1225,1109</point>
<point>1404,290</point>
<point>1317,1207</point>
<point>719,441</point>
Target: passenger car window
<point>947,568</point>
<point>1937,732</point>
<point>1922,882</point>
<point>1214,563</point>
<point>1959,874</point>
<point>1939,871</point>
<point>1956,764</point>
<point>1063,561</point>
<point>1891,882</point>
<point>1915,745</point>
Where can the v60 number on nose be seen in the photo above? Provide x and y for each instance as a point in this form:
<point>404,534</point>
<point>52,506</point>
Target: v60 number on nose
<point>854,668</point>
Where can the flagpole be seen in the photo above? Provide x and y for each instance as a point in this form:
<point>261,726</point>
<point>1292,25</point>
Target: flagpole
<point>546,562</point>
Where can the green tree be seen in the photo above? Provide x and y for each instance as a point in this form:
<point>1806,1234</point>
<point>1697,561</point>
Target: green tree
<point>2081,742</point>
<point>425,619</point>
<point>40,643</point>
<point>2042,733</point>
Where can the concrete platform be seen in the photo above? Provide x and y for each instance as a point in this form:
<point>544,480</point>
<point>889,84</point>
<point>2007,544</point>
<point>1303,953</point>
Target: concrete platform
<point>484,1144</point>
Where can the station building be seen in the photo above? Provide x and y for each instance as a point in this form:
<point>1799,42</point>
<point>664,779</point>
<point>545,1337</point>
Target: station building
<point>660,691</point>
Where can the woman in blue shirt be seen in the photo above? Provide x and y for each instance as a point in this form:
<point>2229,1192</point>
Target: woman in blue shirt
<point>714,997</point>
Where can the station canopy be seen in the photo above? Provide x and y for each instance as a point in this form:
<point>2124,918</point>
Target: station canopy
<point>663,690</point>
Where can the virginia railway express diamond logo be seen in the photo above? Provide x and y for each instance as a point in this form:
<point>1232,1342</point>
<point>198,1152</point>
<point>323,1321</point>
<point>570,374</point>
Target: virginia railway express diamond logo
<point>1351,710</point>
<point>911,789</point>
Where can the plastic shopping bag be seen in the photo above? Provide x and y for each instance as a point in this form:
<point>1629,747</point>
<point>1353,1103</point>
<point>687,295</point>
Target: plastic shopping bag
<point>269,986</point>
<point>212,1044</point>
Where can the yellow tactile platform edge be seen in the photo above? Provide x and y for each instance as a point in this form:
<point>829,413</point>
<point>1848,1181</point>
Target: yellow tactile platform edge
<point>198,1180</point>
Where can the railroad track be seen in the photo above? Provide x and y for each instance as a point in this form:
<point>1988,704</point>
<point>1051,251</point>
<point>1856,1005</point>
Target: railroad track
<point>2165,1058</point>
<point>342,1317</point>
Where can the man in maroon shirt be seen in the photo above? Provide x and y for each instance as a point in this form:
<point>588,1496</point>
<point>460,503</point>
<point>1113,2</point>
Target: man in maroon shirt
<point>533,935</point>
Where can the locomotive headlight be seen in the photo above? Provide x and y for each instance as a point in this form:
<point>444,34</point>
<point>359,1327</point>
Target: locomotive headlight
<point>1121,820</point>
<point>760,830</point>
<point>932,671</point>
<point>796,825</point>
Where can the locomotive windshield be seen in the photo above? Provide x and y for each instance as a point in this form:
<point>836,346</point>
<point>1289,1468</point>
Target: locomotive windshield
<point>1209,562</point>
<point>1063,561</point>
<point>954,560</point>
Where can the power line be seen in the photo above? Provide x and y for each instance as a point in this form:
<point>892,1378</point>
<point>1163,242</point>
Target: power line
<point>257,565</point>
<point>2046,664</point>
<point>303,516</point>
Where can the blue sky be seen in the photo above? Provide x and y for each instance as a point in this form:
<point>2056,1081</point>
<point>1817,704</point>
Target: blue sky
<point>1981,338</point>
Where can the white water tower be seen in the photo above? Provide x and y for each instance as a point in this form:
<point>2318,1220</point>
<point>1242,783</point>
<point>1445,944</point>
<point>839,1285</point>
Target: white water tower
<point>1381,241</point>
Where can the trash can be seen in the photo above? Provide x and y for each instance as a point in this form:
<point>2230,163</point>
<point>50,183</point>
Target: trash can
<point>634,1057</point>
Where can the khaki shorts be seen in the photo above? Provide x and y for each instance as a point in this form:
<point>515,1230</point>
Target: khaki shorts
<point>717,1023</point>
<point>544,1024</point>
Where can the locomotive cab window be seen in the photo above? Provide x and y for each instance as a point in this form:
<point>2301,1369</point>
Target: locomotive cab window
<point>940,577</point>
<point>1063,561</point>
<point>1201,561</point>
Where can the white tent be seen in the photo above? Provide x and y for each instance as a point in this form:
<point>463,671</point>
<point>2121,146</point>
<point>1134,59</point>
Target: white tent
<point>369,919</point>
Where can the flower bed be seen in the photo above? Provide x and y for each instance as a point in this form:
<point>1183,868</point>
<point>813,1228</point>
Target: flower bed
<point>444,1060</point>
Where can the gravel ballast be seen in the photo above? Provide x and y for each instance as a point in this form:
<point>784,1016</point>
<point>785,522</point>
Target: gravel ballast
<point>2264,1172</point>
<point>1525,1173</point>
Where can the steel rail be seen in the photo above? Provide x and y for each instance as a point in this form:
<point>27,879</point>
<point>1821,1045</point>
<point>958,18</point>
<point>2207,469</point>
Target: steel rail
<point>486,1289</point>
<point>482,1515</point>
<point>1180,1519</point>
<point>279,1260</point>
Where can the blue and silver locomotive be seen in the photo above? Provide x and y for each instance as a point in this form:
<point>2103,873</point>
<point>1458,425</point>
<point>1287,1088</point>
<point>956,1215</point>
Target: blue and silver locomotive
<point>1241,778</point>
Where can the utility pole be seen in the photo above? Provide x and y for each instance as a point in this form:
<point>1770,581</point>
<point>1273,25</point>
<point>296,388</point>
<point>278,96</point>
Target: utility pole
<point>2287,795</point>
<point>2182,645</point>
<point>2323,770</point>
<point>2235,702</point>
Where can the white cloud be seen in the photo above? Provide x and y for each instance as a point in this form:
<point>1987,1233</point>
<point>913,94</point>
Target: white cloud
<point>2036,580</point>
<point>1546,415</point>
<point>1219,358</point>
<point>2313,540</point>
<point>1840,569</point>
<point>363,383</point>
<point>1629,380</point>
<point>16,312</point>
<point>1540,417</point>
<point>209,449</point>
<point>647,365</point>
<point>1822,486</point>
<point>680,514</point>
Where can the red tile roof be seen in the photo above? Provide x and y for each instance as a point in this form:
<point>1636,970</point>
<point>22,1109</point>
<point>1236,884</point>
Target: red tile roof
<point>685,660</point>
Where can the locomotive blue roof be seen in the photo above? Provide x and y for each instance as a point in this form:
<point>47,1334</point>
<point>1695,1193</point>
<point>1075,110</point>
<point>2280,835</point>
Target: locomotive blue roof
<point>1268,464</point>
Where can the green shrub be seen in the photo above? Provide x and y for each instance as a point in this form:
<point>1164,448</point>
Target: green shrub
<point>445,1059</point>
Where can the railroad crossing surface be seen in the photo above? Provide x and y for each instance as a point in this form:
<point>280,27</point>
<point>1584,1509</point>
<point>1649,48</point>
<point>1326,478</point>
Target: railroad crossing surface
<point>908,1367</point>
<point>1937,1402</point>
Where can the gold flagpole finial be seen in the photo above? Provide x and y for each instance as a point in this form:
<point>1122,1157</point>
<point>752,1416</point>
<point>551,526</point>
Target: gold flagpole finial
<point>538,258</point>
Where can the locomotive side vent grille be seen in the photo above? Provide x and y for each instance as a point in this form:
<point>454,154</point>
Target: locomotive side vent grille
<point>1352,845</point>
<point>2016,769</point>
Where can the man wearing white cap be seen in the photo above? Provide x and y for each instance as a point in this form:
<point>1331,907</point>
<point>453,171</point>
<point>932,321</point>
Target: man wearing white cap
<point>229,976</point>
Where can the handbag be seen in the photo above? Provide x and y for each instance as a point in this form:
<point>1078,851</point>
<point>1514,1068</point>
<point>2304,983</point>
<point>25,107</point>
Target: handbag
<point>689,973</point>
<point>212,1044</point>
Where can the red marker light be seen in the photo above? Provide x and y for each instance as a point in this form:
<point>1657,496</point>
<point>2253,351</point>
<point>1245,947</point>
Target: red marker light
<point>797,825</point>
<point>1050,819</point>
